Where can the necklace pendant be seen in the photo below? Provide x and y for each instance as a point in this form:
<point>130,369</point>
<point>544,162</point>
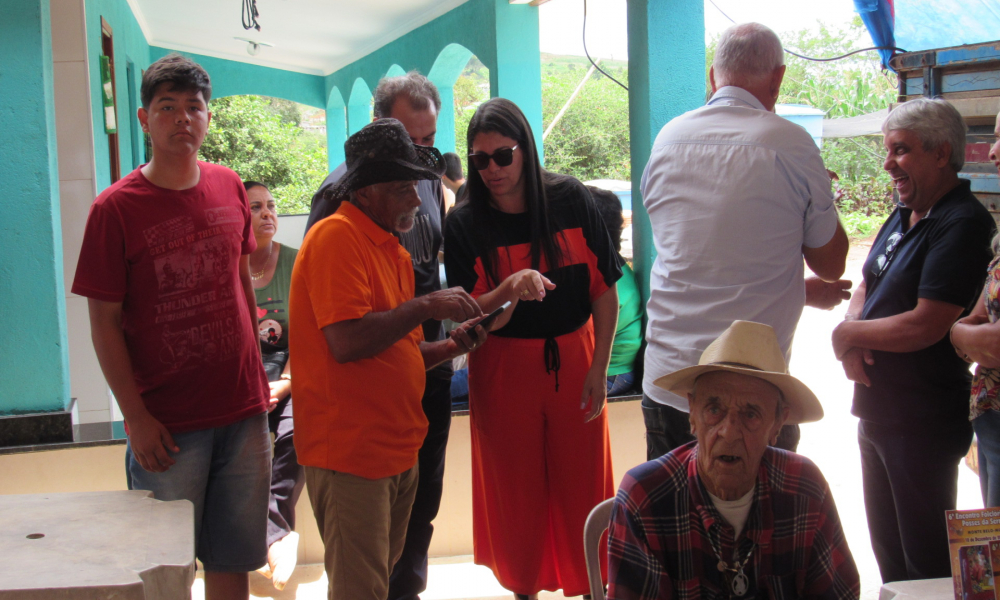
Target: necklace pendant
<point>721,566</point>
<point>740,584</point>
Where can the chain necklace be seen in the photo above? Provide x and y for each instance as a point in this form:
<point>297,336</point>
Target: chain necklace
<point>258,275</point>
<point>738,581</point>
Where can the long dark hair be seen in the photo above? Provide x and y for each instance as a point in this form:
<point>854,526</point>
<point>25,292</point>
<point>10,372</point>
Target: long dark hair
<point>499,115</point>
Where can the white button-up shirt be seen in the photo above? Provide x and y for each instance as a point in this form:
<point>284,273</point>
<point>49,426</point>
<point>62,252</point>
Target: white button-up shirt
<point>733,192</point>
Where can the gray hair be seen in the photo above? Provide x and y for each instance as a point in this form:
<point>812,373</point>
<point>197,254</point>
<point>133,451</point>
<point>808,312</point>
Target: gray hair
<point>413,85</point>
<point>936,122</point>
<point>747,54</point>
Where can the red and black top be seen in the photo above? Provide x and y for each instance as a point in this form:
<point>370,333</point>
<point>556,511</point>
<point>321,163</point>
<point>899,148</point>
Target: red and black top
<point>589,265</point>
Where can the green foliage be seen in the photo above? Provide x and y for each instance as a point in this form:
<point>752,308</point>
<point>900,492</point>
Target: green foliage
<point>591,139</point>
<point>260,139</point>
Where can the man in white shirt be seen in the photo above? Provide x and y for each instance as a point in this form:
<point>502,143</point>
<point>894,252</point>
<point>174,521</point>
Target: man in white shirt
<point>736,196</point>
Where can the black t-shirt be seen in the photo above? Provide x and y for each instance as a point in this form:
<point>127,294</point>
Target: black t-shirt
<point>423,242</point>
<point>590,263</point>
<point>943,257</point>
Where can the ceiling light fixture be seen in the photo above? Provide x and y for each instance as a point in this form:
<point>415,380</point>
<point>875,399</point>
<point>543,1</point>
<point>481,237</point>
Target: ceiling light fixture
<point>253,47</point>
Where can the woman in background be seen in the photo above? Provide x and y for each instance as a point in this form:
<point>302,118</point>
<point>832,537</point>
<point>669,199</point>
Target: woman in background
<point>271,272</point>
<point>541,457</point>
<point>977,339</point>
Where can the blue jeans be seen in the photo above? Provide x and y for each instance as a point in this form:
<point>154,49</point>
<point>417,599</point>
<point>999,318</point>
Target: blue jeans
<point>987,427</point>
<point>619,384</point>
<point>226,473</point>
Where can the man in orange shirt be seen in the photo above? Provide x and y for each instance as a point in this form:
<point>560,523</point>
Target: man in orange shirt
<point>355,325</point>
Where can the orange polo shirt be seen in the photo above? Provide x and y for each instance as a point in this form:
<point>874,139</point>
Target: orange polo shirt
<point>363,417</point>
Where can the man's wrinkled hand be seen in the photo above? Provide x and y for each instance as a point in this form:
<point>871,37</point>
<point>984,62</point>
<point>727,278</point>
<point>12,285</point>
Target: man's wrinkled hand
<point>452,303</point>
<point>854,361</point>
<point>825,295</point>
<point>150,443</point>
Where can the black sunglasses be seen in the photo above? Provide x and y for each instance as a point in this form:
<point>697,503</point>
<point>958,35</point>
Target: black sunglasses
<point>502,157</point>
<point>882,261</point>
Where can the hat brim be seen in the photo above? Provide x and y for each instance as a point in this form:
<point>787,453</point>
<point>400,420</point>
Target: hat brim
<point>367,173</point>
<point>804,406</point>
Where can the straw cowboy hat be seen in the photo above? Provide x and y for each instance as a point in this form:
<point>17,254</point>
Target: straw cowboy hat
<point>381,152</point>
<point>749,349</point>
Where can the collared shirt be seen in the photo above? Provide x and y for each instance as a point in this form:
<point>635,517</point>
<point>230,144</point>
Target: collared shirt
<point>943,257</point>
<point>361,417</point>
<point>733,192</point>
<point>666,537</point>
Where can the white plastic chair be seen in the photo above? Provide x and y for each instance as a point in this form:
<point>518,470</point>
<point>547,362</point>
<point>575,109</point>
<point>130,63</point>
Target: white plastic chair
<point>597,521</point>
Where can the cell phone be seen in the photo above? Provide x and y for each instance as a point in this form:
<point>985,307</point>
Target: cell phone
<point>488,319</point>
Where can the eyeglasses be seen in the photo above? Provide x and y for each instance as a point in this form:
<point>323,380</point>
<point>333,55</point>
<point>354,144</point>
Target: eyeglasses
<point>502,157</point>
<point>882,260</point>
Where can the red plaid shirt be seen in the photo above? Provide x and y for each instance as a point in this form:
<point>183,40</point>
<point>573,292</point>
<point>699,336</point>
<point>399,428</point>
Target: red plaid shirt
<point>664,526</point>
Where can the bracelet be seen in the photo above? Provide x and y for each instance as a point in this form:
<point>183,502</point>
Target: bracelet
<point>285,376</point>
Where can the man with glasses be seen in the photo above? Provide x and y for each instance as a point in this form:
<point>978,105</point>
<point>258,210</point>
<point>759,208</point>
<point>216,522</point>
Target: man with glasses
<point>924,271</point>
<point>737,197</point>
<point>414,101</point>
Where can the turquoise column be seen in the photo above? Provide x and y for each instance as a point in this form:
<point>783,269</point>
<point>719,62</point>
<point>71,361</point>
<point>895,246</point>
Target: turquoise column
<point>336,128</point>
<point>518,72</point>
<point>666,77</point>
<point>359,107</point>
<point>445,139</point>
<point>34,361</point>
<point>447,67</point>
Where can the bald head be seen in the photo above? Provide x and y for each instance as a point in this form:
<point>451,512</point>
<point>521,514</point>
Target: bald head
<point>749,56</point>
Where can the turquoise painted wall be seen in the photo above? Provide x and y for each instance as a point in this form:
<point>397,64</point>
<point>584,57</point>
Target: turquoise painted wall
<point>35,361</point>
<point>666,78</point>
<point>129,45</point>
<point>233,78</point>
<point>503,36</point>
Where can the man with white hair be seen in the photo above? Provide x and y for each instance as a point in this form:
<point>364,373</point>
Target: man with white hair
<point>925,270</point>
<point>726,516</point>
<point>736,196</point>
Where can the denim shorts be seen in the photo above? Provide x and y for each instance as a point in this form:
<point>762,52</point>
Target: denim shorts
<point>226,473</point>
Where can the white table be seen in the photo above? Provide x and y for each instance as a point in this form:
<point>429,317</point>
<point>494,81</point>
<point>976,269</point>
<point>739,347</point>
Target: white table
<point>922,589</point>
<point>96,545</point>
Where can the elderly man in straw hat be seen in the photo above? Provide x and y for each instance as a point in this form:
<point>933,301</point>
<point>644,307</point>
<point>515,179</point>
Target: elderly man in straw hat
<point>727,516</point>
<point>361,356</point>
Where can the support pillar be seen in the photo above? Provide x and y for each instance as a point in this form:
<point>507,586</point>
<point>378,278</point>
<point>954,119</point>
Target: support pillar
<point>449,65</point>
<point>336,128</point>
<point>666,50</point>
<point>518,72</point>
<point>35,362</point>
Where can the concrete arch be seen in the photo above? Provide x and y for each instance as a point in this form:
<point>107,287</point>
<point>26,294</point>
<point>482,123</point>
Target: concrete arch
<point>336,127</point>
<point>359,106</point>
<point>395,71</point>
<point>448,65</point>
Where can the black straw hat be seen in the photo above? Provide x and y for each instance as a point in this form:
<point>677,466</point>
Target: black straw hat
<point>382,152</point>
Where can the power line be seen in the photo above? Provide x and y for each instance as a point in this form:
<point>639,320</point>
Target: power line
<point>588,54</point>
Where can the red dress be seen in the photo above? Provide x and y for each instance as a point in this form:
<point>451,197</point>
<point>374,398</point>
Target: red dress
<point>537,468</point>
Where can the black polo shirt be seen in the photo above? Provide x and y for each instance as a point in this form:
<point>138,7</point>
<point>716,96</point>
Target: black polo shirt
<point>943,257</point>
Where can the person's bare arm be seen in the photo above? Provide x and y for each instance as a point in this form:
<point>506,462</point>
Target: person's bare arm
<point>526,284</point>
<point>462,339</point>
<point>976,339</point>
<point>372,334</point>
<point>595,385</point>
<point>149,439</point>
<point>247,282</point>
<point>855,359</point>
<point>829,260</point>
<point>909,331</point>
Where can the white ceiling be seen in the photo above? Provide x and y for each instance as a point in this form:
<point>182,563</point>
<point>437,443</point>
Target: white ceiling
<point>309,36</point>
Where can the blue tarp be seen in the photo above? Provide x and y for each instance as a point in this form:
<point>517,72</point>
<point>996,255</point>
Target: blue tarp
<point>929,24</point>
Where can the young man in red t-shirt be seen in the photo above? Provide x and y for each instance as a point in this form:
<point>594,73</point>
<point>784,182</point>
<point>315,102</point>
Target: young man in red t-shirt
<point>165,266</point>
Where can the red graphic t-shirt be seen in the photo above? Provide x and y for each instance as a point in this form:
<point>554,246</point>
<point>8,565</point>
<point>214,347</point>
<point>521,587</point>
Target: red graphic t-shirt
<point>172,259</point>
